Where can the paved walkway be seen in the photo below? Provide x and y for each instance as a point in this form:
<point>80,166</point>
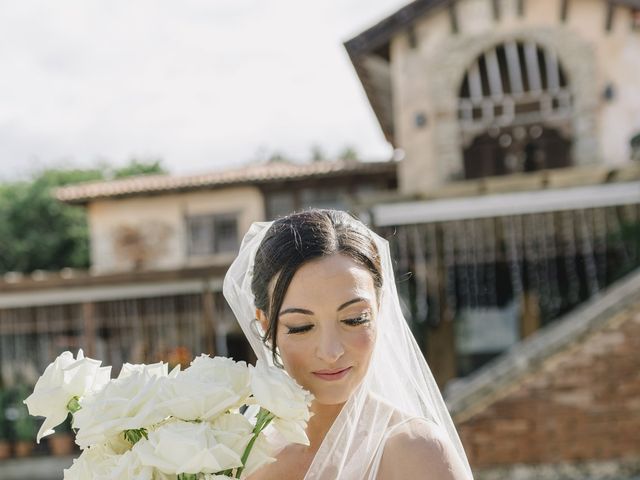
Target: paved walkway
<point>34,468</point>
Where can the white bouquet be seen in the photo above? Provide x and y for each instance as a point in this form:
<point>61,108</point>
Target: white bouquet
<point>206,422</point>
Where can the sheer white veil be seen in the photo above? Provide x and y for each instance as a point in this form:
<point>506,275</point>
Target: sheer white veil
<point>398,378</point>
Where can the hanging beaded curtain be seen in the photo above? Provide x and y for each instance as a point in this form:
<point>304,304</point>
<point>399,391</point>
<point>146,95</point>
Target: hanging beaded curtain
<point>563,258</point>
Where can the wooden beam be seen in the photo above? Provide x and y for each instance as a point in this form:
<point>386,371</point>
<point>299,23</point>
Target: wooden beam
<point>495,7</point>
<point>453,17</point>
<point>441,352</point>
<point>411,37</point>
<point>89,329</point>
<point>564,10</point>
<point>208,319</point>
<point>608,26</point>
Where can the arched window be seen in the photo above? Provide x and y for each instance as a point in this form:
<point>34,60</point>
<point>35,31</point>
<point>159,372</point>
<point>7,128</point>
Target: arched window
<point>514,110</point>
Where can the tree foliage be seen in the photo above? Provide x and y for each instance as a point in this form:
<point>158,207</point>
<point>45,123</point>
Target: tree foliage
<point>37,232</point>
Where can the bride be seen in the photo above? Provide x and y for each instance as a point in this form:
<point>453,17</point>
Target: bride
<point>314,293</point>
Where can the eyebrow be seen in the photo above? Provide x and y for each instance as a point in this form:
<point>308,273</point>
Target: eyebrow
<point>304,311</point>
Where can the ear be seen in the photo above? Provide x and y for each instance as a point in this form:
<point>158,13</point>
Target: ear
<point>262,319</point>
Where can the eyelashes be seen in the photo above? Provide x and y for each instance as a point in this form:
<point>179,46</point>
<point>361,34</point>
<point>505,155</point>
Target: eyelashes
<point>305,328</point>
<point>360,320</point>
<point>364,318</point>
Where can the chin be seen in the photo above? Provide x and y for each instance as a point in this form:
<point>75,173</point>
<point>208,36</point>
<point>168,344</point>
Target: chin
<point>331,396</point>
<point>327,399</point>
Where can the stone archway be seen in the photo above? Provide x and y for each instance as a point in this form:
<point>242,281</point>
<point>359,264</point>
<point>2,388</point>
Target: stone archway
<point>452,62</point>
<point>514,111</point>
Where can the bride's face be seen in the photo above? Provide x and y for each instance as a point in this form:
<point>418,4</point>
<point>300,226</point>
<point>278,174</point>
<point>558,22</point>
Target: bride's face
<point>327,327</point>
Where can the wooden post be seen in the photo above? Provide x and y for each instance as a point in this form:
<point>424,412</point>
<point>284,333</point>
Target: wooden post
<point>453,17</point>
<point>608,26</point>
<point>441,352</point>
<point>440,341</point>
<point>564,10</point>
<point>530,318</point>
<point>495,7</point>
<point>89,329</point>
<point>208,319</point>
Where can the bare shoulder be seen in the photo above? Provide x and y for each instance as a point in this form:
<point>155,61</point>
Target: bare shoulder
<point>419,448</point>
<point>291,464</point>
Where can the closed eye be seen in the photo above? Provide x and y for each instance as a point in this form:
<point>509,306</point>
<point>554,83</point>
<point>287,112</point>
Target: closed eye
<point>364,318</point>
<point>304,328</point>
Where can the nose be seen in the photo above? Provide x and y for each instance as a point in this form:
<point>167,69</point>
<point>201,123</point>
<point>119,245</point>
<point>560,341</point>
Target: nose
<point>330,348</point>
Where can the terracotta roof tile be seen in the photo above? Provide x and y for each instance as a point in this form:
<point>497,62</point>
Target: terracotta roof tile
<point>252,174</point>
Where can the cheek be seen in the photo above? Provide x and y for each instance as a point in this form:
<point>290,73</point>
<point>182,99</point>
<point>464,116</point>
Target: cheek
<point>294,354</point>
<point>361,343</point>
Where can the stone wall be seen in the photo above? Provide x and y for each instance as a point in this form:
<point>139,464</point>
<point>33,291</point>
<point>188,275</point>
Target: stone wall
<point>580,405</point>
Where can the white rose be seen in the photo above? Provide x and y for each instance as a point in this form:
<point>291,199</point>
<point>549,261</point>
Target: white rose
<point>159,369</point>
<point>190,397</point>
<point>61,381</point>
<point>101,463</point>
<point>157,475</point>
<point>126,403</point>
<point>92,461</point>
<point>261,454</point>
<point>277,392</point>
<point>274,390</point>
<point>118,444</point>
<point>293,431</point>
<point>235,430</point>
<point>185,447</point>
<point>128,467</point>
<point>222,370</point>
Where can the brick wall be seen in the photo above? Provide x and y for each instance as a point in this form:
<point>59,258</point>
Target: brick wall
<point>581,404</point>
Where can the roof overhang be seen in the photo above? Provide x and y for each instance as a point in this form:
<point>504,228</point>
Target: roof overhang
<point>84,287</point>
<point>369,52</point>
<point>499,205</point>
<point>260,175</point>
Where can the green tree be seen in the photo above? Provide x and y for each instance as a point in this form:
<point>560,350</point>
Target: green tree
<point>39,232</point>
<point>317,154</point>
<point>348,153</point>
<point>136,167</point>
<point>278,157</point>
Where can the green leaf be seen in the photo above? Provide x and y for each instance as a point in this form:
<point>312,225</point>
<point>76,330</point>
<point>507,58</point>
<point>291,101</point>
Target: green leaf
<point>135,435</point>
<point>187,476</point>
<point>74,405</point>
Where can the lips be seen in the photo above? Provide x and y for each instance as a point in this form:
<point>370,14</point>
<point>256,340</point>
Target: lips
<point>334,374</point>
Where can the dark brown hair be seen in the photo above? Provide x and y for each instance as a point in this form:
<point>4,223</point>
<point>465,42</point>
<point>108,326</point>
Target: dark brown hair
<point>298,238</point>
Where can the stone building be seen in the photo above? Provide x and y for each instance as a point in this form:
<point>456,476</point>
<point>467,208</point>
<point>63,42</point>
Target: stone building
<point>517,222</point>
<point>518,196</point>
<point>477,88</point>
<point>167,222</point>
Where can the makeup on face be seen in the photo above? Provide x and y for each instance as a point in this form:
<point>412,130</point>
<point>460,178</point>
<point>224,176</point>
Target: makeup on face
<point>327,327</point>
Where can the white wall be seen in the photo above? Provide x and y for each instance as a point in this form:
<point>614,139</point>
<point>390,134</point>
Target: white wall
<point>161,221</point>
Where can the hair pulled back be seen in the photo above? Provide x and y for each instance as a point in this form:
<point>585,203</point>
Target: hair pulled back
<point>298,238</point>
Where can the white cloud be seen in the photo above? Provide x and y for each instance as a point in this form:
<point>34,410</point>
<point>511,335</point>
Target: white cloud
<point>199,83</point>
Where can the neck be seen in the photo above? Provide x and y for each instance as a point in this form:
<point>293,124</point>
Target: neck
<point>320,423</point>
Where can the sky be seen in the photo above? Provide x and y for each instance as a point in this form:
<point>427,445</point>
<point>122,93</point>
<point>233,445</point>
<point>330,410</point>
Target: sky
<point>200,84</point>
